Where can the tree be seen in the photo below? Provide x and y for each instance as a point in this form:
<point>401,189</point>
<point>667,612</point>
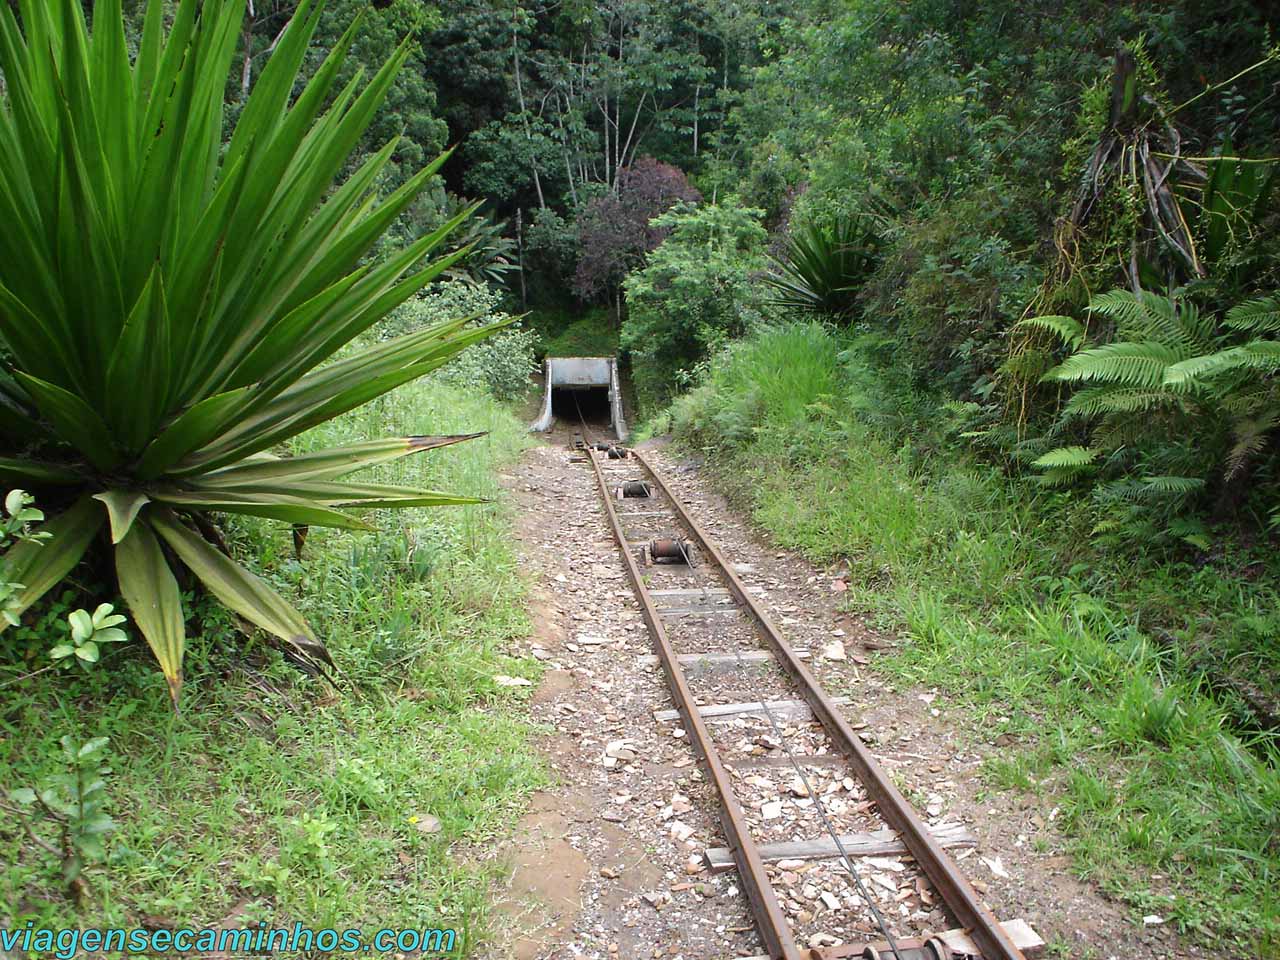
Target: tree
<point>617,229</point>
<point>696,291</point>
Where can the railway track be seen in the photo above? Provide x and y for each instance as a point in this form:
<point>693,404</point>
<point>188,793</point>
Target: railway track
<point>821,839</point>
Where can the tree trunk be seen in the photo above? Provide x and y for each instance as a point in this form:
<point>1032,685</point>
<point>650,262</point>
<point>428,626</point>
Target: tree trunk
<point>528,134</point>
<point>697,93</point>
<point>524,299</point>
<point>246,73</point>
<point>1124,91</point>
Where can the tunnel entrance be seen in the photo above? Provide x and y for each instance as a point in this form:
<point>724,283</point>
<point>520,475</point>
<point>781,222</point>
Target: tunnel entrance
<point>582,389</point>
<point>574,404</point>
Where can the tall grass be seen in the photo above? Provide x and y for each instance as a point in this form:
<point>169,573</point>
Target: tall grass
<point>276,797</point>
<point>1001,598</point>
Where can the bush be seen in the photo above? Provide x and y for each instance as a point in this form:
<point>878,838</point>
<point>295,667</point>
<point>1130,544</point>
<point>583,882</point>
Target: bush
<point>577,334</point>
<point>500,365</point>
<point>950,289</point>
<point>695,292</point>
<point>617,229</point>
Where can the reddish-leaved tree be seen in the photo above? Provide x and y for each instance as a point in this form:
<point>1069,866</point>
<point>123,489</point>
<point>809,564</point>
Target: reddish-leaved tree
<point>614,232</point>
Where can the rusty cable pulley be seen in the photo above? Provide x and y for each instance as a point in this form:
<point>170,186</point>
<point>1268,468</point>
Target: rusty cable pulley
<point>669,550</point>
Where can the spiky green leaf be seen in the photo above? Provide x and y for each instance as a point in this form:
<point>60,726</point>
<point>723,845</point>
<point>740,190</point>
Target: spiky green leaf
<point>151,591</point>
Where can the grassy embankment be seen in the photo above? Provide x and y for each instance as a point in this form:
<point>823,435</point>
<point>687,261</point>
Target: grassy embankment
<point>565,333</point>
<point>1087,656</point>
<point>273,797</point>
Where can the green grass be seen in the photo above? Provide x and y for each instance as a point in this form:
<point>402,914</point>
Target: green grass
<point>1003,601</point>
<point>273,796</point>
<point>566,334</point>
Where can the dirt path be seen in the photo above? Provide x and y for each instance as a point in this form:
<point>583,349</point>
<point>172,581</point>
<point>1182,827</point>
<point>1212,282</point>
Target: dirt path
<point>605,863</point>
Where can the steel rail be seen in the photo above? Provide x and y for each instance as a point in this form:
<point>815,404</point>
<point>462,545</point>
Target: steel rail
<point>772,923</point>
<point>956,891</point>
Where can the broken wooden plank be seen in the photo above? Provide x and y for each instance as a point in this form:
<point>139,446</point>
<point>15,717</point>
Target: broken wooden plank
<point>697,611</point>
<point>702,592</point>
<point>789,709</point>
<point>691,592</point>
<point>785,760</point>
<point>874,844</point>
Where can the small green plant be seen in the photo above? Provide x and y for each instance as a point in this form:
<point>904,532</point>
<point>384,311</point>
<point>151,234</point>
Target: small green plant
<point>1172,372</point>
<point>15,525</point>
<point>19,514</point>
<point>88,632</point>
<point>76,802</point>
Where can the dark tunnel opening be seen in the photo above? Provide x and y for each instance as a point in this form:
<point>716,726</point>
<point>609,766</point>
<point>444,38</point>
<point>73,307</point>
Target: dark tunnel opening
<point>573,404</point>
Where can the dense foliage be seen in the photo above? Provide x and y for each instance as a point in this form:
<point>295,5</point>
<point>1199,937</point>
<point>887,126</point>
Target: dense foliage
<point>695,293</point>
<point>978,298</point>
<point>617,229</point>
<point>500,365</point>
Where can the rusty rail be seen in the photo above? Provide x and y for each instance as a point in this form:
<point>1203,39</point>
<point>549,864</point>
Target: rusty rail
<point>773,926</point>
<point>956,892</point>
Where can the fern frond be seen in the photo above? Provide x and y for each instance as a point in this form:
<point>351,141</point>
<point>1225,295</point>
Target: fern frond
<point>1260,315</point>
<point>1263,355</point>
<point>1095,401</point>
<point>1058,477</point>
<point>1245,403</point>
<point>1174,486</point>
<point>1251,436</point>
<point>1151,489</point>
<point>1067,457</point>
<point>1067,329</point>
<point>1120,430</point>
<point>1190,530</point>
<point>1149,316</point>
<point>1122,306</point>
<point>1029,364</point>
<point>1124,364</point>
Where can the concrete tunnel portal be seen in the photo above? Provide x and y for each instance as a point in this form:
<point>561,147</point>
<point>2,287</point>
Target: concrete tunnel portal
<point>581,388</point>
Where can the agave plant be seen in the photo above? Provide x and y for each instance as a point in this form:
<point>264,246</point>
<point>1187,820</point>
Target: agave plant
<point>169,298</point>
<point>823,267</point>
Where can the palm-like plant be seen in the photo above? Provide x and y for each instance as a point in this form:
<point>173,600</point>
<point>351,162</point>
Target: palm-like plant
<point>823,267</point>
<point>168,299</point>
<point>1170,362</point>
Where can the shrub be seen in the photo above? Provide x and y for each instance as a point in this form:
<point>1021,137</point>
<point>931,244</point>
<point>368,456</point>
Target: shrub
<point>577,334</point>
<point>949,288</point>
<point>694,293</point>
<point>778,380</point>
<point>168,299</point>
<point>1177,399</point>
<point>822,267</point>
<point>500,365</point>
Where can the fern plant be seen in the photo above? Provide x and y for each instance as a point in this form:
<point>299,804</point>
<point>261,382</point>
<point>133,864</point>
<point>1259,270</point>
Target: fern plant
<point>1211,385</point>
